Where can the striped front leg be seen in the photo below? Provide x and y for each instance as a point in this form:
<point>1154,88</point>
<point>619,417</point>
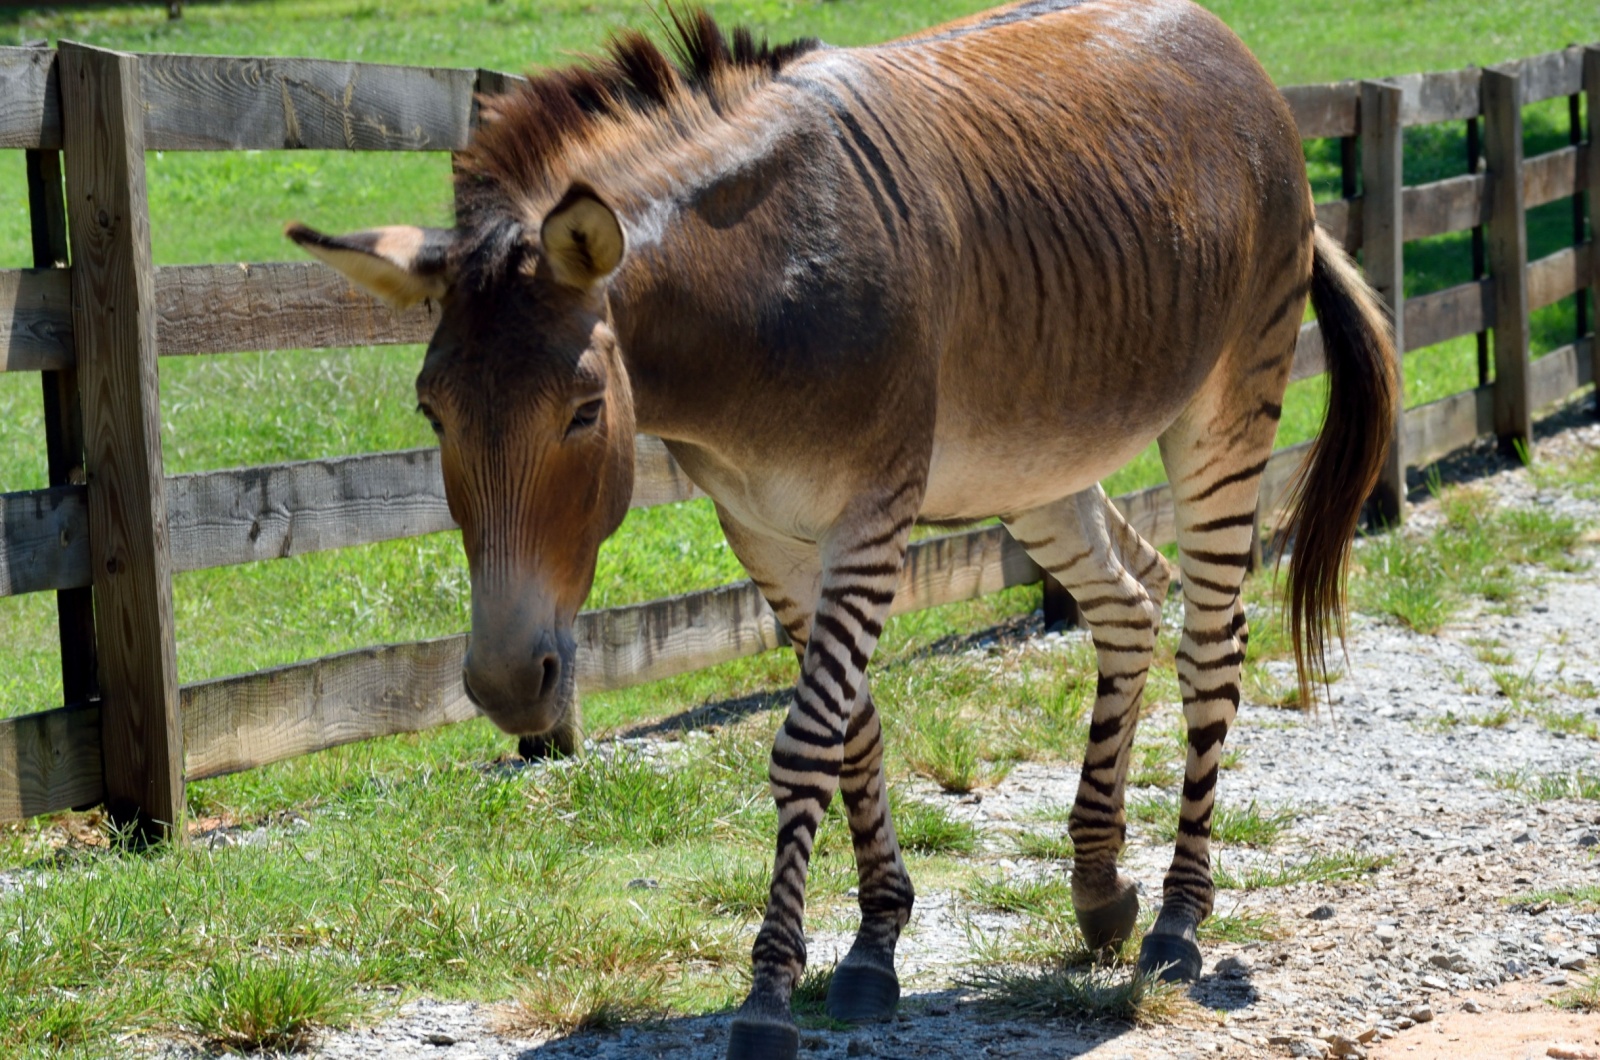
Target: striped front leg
<point>861,570</point>
<point>1119,582</point>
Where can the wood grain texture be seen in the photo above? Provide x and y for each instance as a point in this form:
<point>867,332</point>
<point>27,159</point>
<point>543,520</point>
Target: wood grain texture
<point>30,107</point>
<point>1546,76</point>
<point>1461,310</point>
<point>1309,356</point>
<point>1447,95</point>
<point>1552,278</point>
<point>1558,174</point>
<point>1441,427</point>
<point>63,423</point>
<point>114,324</point>
<point>217,103</point>
<point>1342,219</point>
<point>237,723</point>
<point>50,761</point>
<point>1325,110</point>
<point>275,306</point>
<point>46,540</point>
<point>1558,373</point>
<point>1383,253</point>
<point>1508,256</point>
<point>1445,206</point>
<point>1591,182</point>
<point>35,320</point>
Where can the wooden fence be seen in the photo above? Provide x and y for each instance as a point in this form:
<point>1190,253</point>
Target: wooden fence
<point>111,529</point>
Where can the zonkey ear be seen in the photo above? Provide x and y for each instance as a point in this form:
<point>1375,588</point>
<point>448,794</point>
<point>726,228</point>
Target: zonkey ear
<point>401,264</point>
<point>582,238</point>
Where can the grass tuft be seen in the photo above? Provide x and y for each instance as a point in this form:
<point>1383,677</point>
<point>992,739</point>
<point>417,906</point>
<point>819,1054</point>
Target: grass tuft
<point>1069,993</point>
<point>1048,896</point>
<point>1319,868</point>
<point>570,1002</point>
<point>928,828</point>
<point>269,1006</point>
<point>1585,997</point>
<point>1249,825</point>
<point>1045,847</point>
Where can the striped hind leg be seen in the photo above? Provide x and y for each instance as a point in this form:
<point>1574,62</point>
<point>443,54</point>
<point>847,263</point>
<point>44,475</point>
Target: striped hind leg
<point>1215,464</point>
<point>1119,581</point>
<point>830,740</point>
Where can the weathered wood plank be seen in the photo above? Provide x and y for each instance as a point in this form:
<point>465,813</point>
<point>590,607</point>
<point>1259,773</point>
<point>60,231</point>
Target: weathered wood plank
<point>1324,110</point>
<point>1383,253</point>
<point>63,423</point>
<point>1591,91</point>
<point>1552,278</point>
<point>1554,175</point>
<point>218,103</point>
<point>1445,95</point>
<point>1309,356</point>
<point>113,308</point>
<point>1461,310</point>
<point>1150,512</point>
<point>1508,256</point>
<point>46,540</point>
<point>1342,219</point>
<point>943,570</point>
<point>1441,427</point>
<point>1549,75</point>
<point>1445,206</point>
<point>237,723</point>
<point>35,320</point>
<point>50,761</point>
<point>1558,373</point>
<point>243,515</point>
<point>274,306</point>
<point>30,100</point>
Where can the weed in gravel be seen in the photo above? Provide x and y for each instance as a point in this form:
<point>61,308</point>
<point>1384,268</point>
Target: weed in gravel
<point>1587,897</point>
<point>1049,897</point>
<point>928,828</point>
<point>1566,722</point>
<point>1249,825</point>
<point>1068,993</point>
<point>1241,928</point>
<point>1490,651</point>
<point>269,1006</point>
<point>1547,788</point>
<point>1319,868</point>
<point>1479,550</point>
<point>811,992</point>
<point>569,1001</point>
<point>1045,847</point>
<point>1585,997</point>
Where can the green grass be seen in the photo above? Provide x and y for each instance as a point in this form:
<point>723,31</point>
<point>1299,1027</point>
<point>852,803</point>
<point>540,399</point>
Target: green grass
<point>1480,551</point>
<point>1584,897</point>
<point>1249,825</point>
<point>1065,992</point>
<point>1585,997</point>
<point>1548,788</point>
<point>1318,868</point>
<point>272,1006</point>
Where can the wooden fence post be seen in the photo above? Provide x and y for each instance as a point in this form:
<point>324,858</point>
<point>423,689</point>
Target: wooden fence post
<point>1591,89</point>
<point>1508,259</point>
<point>1383,253</point>
<point>114,324</point>
<point>63,426</point>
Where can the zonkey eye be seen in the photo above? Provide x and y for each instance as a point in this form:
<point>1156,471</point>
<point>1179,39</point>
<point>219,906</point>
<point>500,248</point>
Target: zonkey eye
<point>587,414</point>
<point>433,421</point>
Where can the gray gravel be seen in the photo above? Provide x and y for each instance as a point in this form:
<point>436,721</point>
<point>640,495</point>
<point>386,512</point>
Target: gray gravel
<point>1381,772</point>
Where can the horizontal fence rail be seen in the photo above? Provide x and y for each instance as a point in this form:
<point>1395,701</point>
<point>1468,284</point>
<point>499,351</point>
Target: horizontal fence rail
<point>53,759</point>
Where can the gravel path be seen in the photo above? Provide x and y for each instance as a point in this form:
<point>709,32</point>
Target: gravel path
<point>1425,957</point>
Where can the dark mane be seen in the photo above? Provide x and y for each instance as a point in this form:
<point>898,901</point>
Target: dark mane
<point>525,134</point>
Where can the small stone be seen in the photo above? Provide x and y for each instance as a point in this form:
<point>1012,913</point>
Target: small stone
<point>1571,961</point>
<point>1471,1006</point>
<point>1433,982</point>
<point>1422,1014</point>
<point>1339,1045</point>
<point>1571,1052</point>
<point>1308,1047</point>
<point>1321,912</point>
<point>1588,839</point>
<point>1555,979</point>
<point>1367,1035</point>
<point>644,883</point>
<point>859,1047</point>
<point>938,1010</point>
<point>1440,960</point>
<point>438,1038</point>
<point>1386,933</point>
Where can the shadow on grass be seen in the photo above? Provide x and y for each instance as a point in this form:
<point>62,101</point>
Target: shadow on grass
<point>1483,458</point>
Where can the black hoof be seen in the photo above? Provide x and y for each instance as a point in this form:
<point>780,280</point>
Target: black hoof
<point>551,745</point>
<point>750,1039</point>
<point>862,994</point>
<point>1171,958</point>
<point>1109,926</point>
